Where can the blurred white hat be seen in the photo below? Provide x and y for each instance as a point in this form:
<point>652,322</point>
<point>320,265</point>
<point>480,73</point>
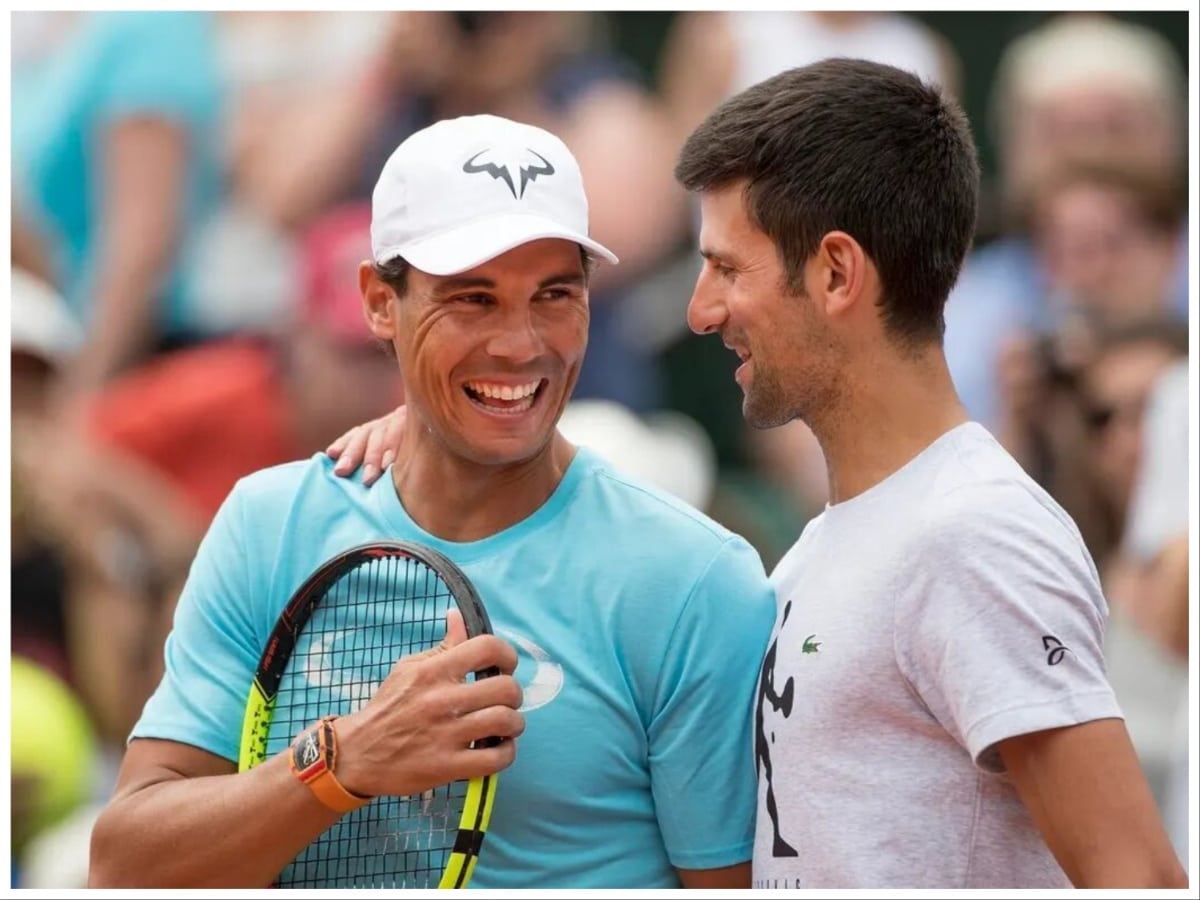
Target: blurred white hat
<point>42,326</point>
<point>1091,49</point>
<point>667,450</point>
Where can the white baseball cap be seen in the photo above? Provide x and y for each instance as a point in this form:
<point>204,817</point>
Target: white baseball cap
<point>465,190</point>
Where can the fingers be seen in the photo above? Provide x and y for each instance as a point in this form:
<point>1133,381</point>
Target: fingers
<point>373,452</point>
<point>334,450</point>
<point>494,722</point>
<point>481,652</point>
<point>353,443</point>
<point>371,445</point>
<point>499,691</point>
<point>479,761</point>
<point>384,438</point>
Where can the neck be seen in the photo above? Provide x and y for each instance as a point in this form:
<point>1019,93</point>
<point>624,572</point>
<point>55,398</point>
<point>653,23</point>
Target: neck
<point>884,417</point>
<point>459,500</point>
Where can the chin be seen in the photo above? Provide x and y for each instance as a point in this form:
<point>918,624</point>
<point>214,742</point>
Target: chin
<point>503,452</point>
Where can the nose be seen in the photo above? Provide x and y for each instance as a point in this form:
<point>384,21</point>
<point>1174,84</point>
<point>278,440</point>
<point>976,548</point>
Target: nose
<point>706,311</point>
<point>515,337</point>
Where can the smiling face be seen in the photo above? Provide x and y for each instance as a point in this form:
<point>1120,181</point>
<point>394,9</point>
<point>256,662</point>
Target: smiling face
<point>489,356</point>
<point>788,352</point>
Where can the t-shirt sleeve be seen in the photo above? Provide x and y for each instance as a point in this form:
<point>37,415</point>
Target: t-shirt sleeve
<point>213,648</point>
<point>160,63</point>
<point>1000,626</point>
<point>701,761</point>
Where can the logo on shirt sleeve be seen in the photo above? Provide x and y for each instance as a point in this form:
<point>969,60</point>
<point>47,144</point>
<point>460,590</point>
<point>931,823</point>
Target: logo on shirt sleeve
<point>1055,649</point>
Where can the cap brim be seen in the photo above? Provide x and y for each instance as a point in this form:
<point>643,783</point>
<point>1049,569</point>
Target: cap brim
<point>477,242</point>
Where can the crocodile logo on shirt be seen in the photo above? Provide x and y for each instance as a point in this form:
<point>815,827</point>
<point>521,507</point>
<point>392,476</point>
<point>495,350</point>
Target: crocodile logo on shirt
<point>810,646</point>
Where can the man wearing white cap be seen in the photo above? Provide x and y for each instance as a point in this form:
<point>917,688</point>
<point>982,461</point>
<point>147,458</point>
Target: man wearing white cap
<point>638,663</point>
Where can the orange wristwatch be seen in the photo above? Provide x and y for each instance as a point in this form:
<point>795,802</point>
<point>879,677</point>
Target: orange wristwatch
<point>314,758</point>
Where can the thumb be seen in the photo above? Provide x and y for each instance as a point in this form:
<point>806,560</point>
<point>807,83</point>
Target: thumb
<point>456,629</point>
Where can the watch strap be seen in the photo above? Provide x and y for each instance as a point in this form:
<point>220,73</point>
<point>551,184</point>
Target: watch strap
<point>314,763</point>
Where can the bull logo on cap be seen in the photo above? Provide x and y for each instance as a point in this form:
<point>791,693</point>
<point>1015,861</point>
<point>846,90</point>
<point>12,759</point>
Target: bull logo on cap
<point>501,171</point>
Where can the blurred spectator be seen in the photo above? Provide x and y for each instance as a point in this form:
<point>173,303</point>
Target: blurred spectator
<point>1107,239</point>
<point>289,75</point>
<point>168,441</point>
<point>1086,87</point>
<point>1151,596</point>
<point>546,68</point>
<point>1075,422</point>
<point>44,338</point>
<point>712,55</point>
<point>1115,388</point>
<point>113,124</point>
<point>1082,89</point>
<point>1110,240</point>
<point>1154,545</point>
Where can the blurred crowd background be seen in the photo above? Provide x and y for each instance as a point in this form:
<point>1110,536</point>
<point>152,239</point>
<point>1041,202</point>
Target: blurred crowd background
<point>190,199</point>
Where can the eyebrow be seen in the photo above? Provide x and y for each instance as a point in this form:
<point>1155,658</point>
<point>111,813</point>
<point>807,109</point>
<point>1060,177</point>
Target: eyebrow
<point>717,256</point>
<point>576,279</point>
<point>450,285</point>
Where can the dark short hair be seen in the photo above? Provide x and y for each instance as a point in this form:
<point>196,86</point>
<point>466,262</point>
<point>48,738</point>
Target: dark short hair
<point>855,146</point>
<point>394,272</point>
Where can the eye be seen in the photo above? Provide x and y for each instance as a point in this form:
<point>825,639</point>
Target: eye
<point>724,271</point>
<point>474,299</point>
<point>557,293</point>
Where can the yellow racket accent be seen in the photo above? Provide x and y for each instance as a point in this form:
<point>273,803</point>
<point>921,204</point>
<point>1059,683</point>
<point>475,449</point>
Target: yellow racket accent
<point>477,813</point>
<point>255,726</point>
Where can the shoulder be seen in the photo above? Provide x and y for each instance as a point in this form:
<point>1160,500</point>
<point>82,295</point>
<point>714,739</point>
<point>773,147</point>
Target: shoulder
<point>641,508</point>
<point>982,504</point>
<point>665,540</point>
<point>312,479</point>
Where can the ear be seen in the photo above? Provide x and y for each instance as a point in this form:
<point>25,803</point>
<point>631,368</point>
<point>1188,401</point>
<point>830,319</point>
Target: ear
<point>842,268</point>
<point>378,308</point>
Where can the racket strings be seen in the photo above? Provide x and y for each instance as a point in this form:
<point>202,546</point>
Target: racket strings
<point>373,615</point>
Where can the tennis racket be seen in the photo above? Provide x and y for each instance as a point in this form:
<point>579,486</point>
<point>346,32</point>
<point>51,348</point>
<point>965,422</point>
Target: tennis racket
<point>336,640</point>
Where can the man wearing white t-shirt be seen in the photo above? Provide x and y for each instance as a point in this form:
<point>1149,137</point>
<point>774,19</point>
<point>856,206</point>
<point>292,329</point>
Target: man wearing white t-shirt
<point>933,709</point>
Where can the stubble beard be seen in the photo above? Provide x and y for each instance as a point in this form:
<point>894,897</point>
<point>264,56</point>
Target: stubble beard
<point>766,403</point>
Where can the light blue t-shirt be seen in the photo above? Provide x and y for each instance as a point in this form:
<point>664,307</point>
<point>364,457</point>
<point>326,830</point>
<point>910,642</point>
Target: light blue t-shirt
<point>111,66</point>
<point>640,627</point>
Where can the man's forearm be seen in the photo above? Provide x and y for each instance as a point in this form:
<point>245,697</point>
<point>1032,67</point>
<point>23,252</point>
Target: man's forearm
<point>216,831</point>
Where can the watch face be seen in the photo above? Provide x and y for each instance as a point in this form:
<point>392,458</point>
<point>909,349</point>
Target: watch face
<point>310,749</point>
<point>307,751</point>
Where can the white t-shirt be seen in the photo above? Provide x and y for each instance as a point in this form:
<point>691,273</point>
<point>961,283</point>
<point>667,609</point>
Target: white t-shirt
<point>949,607</point>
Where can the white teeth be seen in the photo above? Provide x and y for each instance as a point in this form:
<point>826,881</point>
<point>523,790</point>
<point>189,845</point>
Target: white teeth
<point>503,391</point>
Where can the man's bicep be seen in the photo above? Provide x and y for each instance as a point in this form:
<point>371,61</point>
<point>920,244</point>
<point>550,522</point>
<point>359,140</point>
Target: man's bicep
<point>1084,787</point>
<point>731,877</point>
<point>148,761</point>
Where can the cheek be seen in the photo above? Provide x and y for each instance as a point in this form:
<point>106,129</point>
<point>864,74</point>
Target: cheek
<point>567,334</point>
